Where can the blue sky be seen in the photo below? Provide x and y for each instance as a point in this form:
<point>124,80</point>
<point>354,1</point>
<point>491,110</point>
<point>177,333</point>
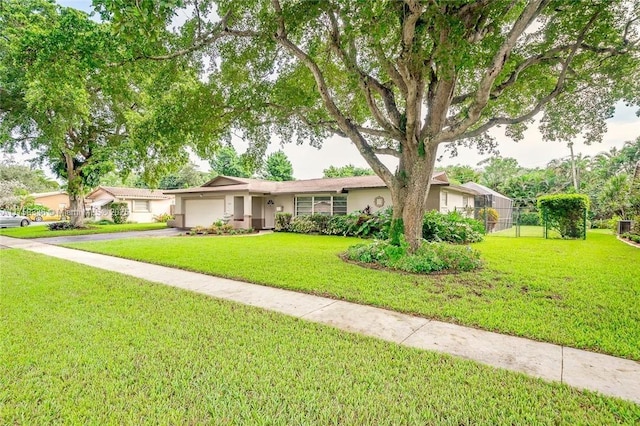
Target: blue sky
<point>309,162</point>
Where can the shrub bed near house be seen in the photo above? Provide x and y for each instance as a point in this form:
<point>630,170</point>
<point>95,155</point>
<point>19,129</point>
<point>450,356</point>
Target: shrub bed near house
<point>162,218</point>
<point>452,227</point>
<point>219,228</point>
<point>430,257</point>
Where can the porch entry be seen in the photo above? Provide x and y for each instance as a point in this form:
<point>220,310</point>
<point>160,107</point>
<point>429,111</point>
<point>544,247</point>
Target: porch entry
<point>262,213</point>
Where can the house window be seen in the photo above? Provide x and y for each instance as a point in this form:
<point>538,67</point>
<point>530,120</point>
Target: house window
<point>444,198</point>
<point>141,206</point>
<point>304,205</point>
<point>325,205</point>
<point>339,205</point>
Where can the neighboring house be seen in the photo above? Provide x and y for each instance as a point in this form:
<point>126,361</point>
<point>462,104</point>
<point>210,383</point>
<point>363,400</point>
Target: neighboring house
<point>487,197</point>
<point>143,203</point>
<point>253,203</point>
<point>56,201</point>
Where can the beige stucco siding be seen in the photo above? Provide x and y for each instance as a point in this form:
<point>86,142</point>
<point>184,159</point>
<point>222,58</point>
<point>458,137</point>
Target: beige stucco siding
<point>286,202</point>
<point>156,208</point>
<point>53,202</point>
<point>359,199</point>
<point>454,200</point>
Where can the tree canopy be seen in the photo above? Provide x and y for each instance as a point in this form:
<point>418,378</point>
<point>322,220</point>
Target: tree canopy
<point>401,78</point>
<point>277,167</point>
<point>71,95</point>
<point>345,171</point>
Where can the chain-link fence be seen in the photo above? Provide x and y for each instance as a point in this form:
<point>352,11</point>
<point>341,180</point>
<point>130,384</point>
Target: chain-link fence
<point>511,221</point>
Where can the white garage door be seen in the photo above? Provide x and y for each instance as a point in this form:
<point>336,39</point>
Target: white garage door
<point>203,212</point>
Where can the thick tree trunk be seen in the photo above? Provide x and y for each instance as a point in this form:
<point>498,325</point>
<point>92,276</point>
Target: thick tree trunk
<point>409,196</point>
<point>75,190</point>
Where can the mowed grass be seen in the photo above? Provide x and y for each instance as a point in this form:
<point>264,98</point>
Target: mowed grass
<point>41,231</point>
<point>583,294</point>
<point>84,346</point>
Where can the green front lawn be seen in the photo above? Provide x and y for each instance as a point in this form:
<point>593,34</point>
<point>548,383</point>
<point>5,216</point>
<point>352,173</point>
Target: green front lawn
<point>582,294</point>
<point>41,231</point>
<point>83,346</point>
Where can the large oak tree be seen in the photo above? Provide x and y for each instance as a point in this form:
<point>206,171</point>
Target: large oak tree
<point>401,78</point>
<point>72,94</point>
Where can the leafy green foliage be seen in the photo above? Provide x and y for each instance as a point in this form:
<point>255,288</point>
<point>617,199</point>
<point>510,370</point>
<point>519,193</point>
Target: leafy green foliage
<point>430,257</point>
<point>119,212</point>
<point>277,167</point>
<point>282,221</point>
<point>34,180</point>
<point>304,225</point>
<point>345,171</point>
<point>529,219</point>
<point>219,228</point>
<point>162,218</point>
<point>61,226</point>
<point>226,162</point>
<point>452,227</point>
<point>565,213</point>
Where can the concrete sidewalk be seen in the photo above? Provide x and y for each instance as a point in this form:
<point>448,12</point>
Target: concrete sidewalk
<point>586,370</point>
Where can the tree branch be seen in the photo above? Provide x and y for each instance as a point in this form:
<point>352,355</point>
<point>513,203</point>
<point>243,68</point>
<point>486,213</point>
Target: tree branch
<point>345,124</point>
<point>367,82</point>
<point>528,15</point>
<point>559,87</point>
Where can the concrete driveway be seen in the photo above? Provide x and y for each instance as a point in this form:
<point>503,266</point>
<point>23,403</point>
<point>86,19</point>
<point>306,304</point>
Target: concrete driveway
<point>168,232</point>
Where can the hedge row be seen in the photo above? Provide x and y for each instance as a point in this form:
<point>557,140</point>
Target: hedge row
<point>451,227</point>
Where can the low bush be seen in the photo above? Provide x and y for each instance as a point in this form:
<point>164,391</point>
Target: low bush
<point>430,257</point>
<point>282,221</point>
<point>162,218</point>
<point>452,227</point>
<point>600,224</point>
<point>303,225</point>
<point>61,226</point>
<point>321,222</point>
<point>632,237</point>
<point>529,219</point>
<point>219,228</point>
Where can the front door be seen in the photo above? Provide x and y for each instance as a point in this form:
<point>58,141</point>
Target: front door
<point>269,213</point>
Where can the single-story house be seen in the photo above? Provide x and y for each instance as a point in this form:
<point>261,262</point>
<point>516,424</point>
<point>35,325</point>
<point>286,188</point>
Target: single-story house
<point>143,203</point>
<point>253,203</point>
<point>56,201</point>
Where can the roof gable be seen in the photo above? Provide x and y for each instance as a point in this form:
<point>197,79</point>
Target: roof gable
<point>227,180</point>
<point>129,193</point>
